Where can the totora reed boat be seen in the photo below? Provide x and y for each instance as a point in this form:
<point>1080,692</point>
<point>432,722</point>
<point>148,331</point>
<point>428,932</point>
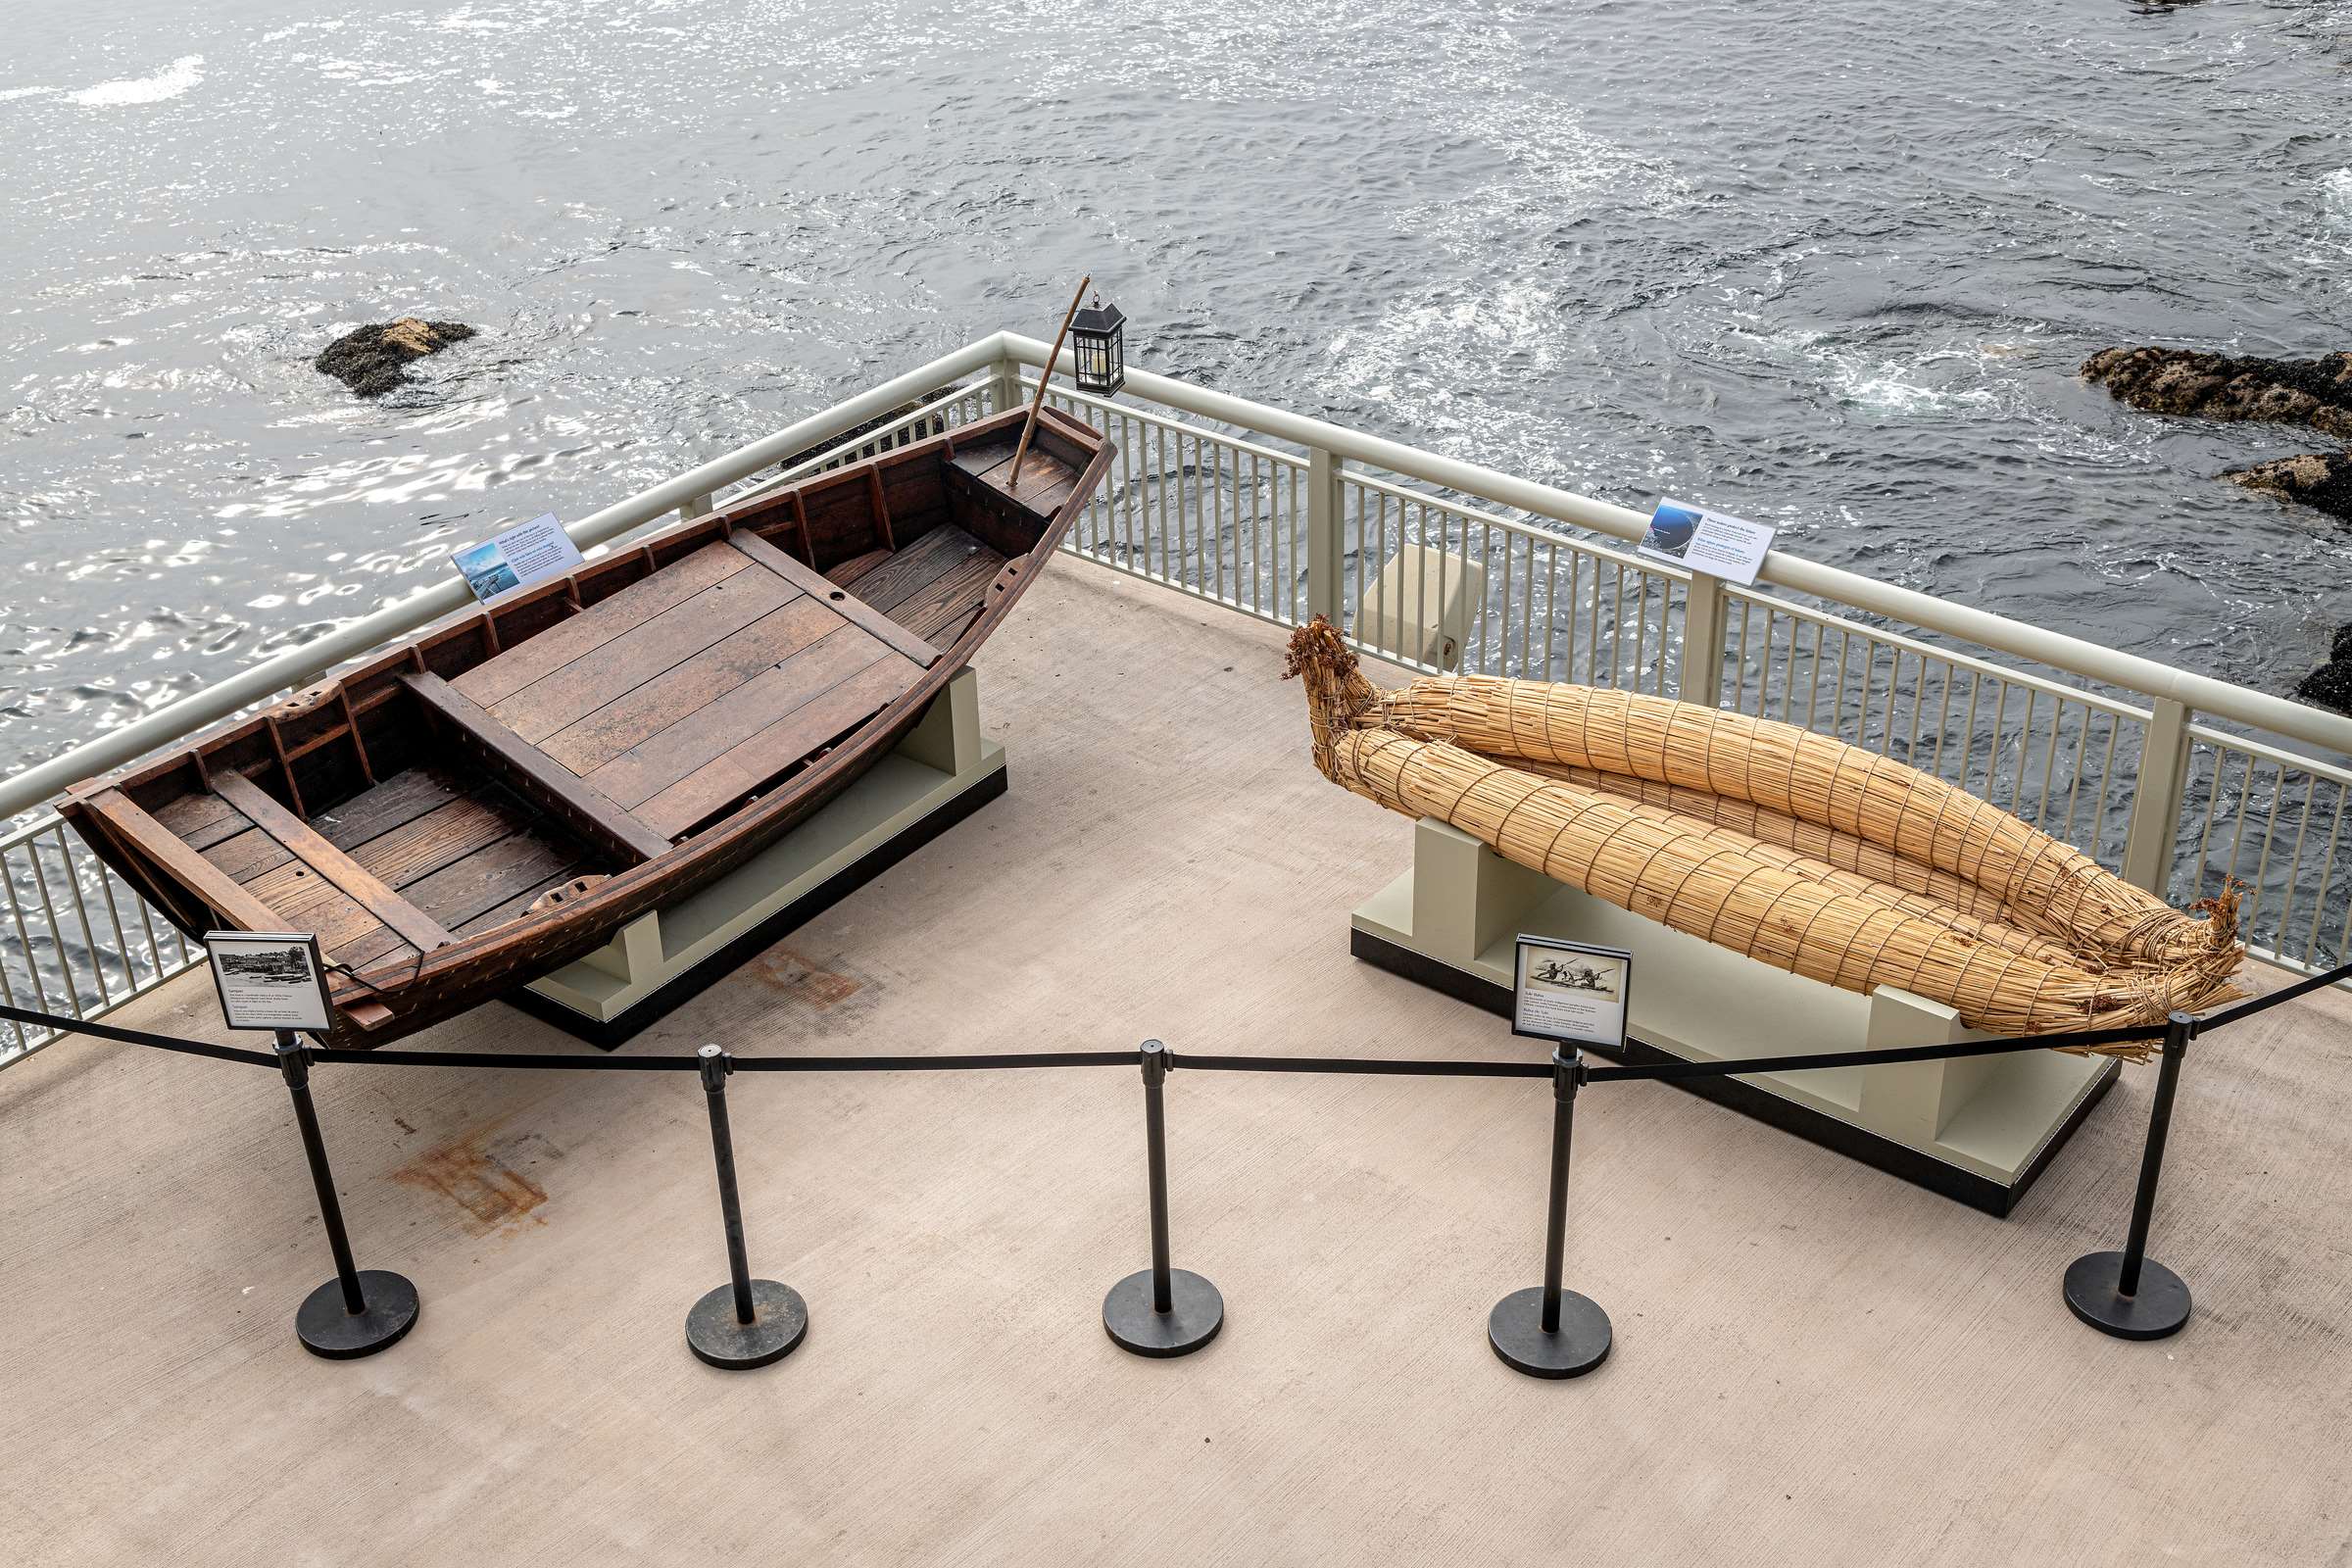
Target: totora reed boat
<point>495,797</point>
<point>1794,848</point>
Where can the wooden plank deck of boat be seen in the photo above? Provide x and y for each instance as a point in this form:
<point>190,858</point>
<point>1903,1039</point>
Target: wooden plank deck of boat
<point>666,703</point>
<point>1816,1363</point>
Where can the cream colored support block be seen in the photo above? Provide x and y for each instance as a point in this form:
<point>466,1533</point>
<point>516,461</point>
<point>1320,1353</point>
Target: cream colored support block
<point>1465,896</point>
<point>1419,606</point>
<point>1915,1102</point>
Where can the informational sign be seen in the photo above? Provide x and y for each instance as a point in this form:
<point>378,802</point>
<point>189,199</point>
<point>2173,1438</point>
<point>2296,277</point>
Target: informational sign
<point>270,979</point>
<point>1713,542</point>
<point>526,554</point>
<point>1569,992</point>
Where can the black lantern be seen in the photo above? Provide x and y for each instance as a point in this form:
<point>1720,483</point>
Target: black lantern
<point>1099,345</point>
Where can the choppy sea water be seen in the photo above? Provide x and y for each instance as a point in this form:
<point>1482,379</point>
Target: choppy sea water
<point>1828,264</point>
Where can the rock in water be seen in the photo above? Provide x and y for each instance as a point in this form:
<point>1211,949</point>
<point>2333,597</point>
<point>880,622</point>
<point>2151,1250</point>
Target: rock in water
<point>2322,479</point>
<point>2227,386</point>
<point>374,359</point>
<point>2330,685</point>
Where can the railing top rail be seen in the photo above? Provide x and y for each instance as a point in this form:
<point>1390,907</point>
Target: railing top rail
<point>1983,628</point>
<point>1492,519</point>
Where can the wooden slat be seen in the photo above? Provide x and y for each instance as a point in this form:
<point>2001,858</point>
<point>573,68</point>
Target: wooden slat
<point>660,761</point>
<point>690,686</point>
<point>441,837</point>
<point>746,767</point>
<point>852,608</point>
<point>626,661</point>
<point>535,773</point>
<point>936,552</point>
<point>496,679</point>
<point>515,908</point>
<point>248,855</point>
<point>360,884</point>
<point>459,893</point>
<point>308,902</point>
<point>951,600</point>
<point>241,909</point>
<point>400,798</point>
<point>846,572</point>
<point>200,820</point>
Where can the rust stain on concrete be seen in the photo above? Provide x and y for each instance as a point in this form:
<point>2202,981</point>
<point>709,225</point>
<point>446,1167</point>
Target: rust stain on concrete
<point>782,970</point>
<point>478,1172</point>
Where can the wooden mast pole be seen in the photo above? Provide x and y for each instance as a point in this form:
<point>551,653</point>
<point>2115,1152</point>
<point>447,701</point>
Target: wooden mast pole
<point>1012,482</point>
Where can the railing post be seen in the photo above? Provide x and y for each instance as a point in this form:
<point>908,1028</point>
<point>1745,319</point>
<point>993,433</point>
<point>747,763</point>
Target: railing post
<point>1544,1330</point>
<point>360,1311</point>
<point>1700,679</point>
<point>1005,386</point>
<point>2156,806</point>
<point>1326,539</point>
<point>2124,1294</point>
<point>695,507</point>
<point>746,1322</point>
<point>1160,1311</point>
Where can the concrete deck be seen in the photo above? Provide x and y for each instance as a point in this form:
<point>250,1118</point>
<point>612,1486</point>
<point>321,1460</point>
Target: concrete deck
<point>1815,1363</point>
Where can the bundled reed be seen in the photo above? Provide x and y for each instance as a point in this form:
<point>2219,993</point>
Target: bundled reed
<point>1792,848</point>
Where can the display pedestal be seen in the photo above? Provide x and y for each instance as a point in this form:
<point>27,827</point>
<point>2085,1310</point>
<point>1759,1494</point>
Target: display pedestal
<point>942,772</point>
<point>1978,1129</point>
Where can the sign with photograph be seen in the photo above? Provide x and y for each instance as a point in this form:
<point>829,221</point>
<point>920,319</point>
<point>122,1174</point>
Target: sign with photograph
<point>1572,992</point>
<point>1713,542</point>
<point>522,555</point>
<point>270,980</point>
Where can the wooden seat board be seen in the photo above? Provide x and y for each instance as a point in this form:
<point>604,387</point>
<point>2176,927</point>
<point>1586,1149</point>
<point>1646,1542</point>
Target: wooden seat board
<point>690,686</point>
<point>496,679</point>
<point>852,608</point>
<point>661,759</point>
<point>748,765</point>
<point>620,665</point>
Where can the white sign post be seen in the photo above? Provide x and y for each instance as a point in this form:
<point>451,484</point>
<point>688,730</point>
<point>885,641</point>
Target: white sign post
<point>270,980</point>
<point>1713,542</point>
<point>516,558</point>
<point>1571,993</point>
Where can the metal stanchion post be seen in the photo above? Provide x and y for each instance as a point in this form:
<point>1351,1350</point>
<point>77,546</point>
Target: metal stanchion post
<point>360,1311</point>
<point>1543,1331</point>
<point>1160,1311</point>
<point>746,1322</point>
<point>2125,1294</point>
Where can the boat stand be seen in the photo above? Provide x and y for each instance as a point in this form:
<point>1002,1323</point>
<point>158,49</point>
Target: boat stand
<point>940,773</point>
<point>1977,1129</point>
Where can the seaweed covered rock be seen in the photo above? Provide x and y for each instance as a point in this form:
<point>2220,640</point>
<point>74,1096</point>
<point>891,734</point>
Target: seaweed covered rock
<point>2228,386</point>
<point>2330,685</point>
<point>2322,479</point>
<point>374,359</point>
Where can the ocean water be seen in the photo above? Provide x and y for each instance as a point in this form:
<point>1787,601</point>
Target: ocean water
<point>1830,264</point>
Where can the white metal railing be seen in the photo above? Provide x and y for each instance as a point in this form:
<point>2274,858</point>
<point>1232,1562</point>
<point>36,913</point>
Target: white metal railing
<point>2175,780</point>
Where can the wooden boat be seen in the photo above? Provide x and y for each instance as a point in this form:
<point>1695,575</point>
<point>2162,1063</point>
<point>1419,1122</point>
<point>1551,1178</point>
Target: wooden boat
<point>1794,848</point>
<point>498,795</point>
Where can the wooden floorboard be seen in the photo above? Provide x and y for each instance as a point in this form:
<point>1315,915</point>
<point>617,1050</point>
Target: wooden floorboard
<point>747,766</point>
<point>647,768</point>
<point>246,854</point>
<point>515,908</point>
<point>355,880</point>
<point>852,608</point>
<point>619,665</point>
<point>846,572</point>
<point>690,686</point>
<point>443,836</point>
<point>481,882</point>
<point>951,598</point>
<point>496,679</point>
<point>397,800</point>
<point>201,819</point>
<point>935,553</point>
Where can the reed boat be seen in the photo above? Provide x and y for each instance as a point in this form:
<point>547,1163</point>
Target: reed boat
<point>1794,848</point>
<point>495,797</point>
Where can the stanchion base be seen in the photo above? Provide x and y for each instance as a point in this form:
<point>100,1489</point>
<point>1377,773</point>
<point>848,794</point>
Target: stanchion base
<point>1515,1328</point>
<point>2159,1310</point>
<point>779,1322</point>
<point>1198,1312</point>
<point>326,1329</point>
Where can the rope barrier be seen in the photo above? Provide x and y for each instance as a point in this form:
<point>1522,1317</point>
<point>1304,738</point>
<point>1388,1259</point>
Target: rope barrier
<point>1010,1058</point>
<point>571,1061</point>
<point>139,1037</point>
<point>2247,1009</point>
<point>1676,1070</point>
<point>1362,1064</point>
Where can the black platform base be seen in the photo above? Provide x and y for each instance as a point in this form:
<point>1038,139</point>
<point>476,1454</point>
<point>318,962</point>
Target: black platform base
<point>1815,1127</point>
<point>779,1323</point>
<point>2160,1307</point>
<point>1128,1318</point>
<point>1515,1328</point>
<point>613,1033</point>
<point>327,1329</point>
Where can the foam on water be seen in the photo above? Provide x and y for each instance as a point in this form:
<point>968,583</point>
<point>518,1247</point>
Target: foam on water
<point>179,77</point>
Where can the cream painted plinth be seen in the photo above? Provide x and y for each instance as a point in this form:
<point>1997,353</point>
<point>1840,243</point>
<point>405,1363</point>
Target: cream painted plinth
<point>943,760</point>
<point>1987,1121</point>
